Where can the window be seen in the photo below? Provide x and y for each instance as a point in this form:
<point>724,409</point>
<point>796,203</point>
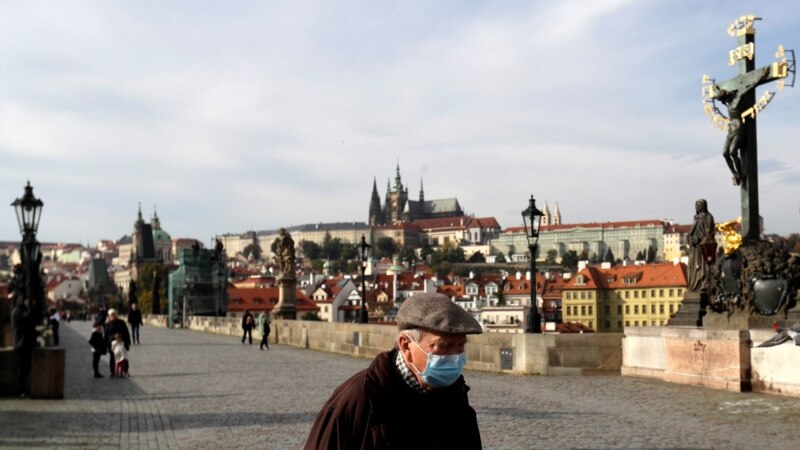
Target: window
<point>619,309</point>
<point>590,295</point>
<point>635,294</point>
<point>680,292</point>
<point>661,293</point>
<point>583,295</point>
<point>671,308</point>
<point>606,310</point>
<point>619,324</point>
<point>636,309</point>
<point>672,292</point>
<point>607,325</point>
<point>661,308</point>
<point>583,310</point>
<point>591,324</point>
<point>569,310</point>
<point>627,309</point>
<point>619,295</point>
<point>591,310</point>
<point>627,294</point>
<point>568,296</point>
<point>627,323</point>
<point>644,294</point>
<point>652,293</point>
<point>636,323</point>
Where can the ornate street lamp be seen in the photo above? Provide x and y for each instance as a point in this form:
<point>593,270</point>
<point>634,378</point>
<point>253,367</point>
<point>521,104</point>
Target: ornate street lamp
<point>29,210</point>
<point>364,315</point>
<point>532,219</point>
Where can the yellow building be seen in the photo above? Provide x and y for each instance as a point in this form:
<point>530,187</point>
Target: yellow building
<point>611,298</point>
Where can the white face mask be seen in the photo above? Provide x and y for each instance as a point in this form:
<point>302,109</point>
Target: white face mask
<point>441,370</point>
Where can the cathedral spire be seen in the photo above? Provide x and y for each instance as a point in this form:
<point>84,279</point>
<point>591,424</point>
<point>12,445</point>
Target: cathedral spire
<point>421,191</point>
<point>398,183</point>
<point>139,219</point>
<point>375,214</point>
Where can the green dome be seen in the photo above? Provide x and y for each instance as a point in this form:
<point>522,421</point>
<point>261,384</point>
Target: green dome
<point>161,236</point>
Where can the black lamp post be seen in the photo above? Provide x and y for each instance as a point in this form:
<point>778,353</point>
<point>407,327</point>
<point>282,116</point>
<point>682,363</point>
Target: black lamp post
<point>29,211</point>
<point>364,315</point>
<point>532,219</point>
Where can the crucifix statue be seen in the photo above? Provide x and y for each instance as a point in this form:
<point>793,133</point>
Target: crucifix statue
<point>738,94</point>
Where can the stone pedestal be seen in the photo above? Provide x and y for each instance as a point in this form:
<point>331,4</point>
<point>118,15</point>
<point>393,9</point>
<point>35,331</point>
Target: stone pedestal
<point>693,308</point>
<point>287,301</point>
<point>47,373</point>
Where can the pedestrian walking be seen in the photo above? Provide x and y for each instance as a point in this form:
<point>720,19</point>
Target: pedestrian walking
<point>55,323</point>
<point>248,322</point>
<point>264,329</point>
<point>135,321</point>
<point>24,342</point>
<point>98,348</point>
<point>120,351</point>
<point>115,326</point>
<point>412,396</point>
<point>102,315</point>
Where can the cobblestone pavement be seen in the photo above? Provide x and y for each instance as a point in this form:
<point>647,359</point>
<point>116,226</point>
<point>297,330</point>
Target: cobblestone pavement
<point>195,390</point>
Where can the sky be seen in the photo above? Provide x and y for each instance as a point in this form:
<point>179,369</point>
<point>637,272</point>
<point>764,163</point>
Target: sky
<point>232,116</point>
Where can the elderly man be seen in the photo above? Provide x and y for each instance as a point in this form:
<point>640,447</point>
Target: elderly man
<point>115,325</point>
<point>412,396</point>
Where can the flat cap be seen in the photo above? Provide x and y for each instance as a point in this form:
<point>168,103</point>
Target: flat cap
<point>435,312</point>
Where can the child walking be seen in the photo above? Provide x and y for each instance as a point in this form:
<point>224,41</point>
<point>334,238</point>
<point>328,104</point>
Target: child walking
<point>120,357</point>
<point>98,348</point>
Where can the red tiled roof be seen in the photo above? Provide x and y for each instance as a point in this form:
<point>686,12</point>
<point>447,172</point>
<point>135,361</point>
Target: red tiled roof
<point>485,222</point>
<point>443,223</point>
<point>264,299</point>
<point>647,275</point>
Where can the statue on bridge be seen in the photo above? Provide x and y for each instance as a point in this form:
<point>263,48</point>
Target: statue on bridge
<point>286,252</point>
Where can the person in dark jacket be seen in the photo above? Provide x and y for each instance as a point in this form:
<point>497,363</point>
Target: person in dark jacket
<point>413,396</point>
<point>98,348</point>
<point>24,343</point>
<point>102,315</point>
<point>248,322</point>
<point>135,321</point>
<point>115,325</point>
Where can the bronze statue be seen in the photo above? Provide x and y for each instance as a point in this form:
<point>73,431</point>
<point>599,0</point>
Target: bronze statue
<point>286,251</point>
<point>735,141</point>
<point>702,232</point>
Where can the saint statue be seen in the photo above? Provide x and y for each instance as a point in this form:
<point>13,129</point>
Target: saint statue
<point>286,252</point>
<point>702,231</point>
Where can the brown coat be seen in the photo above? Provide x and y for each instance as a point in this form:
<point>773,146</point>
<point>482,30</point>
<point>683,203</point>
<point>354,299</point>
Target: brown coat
<point>375,409</point>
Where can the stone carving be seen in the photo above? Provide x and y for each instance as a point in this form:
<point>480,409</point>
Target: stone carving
<point>286,252</point>
<point>701,233</point>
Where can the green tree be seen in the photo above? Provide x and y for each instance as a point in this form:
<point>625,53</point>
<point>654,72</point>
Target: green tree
<point>609,256</point>
<point>144,286</point>
<point>570,259</point>
<point>551,257</point>
<point>408,254</point>
<point>651,254</point>
<point>583,256</point>
<point>501,296</point>
<point>252,249</point>
<point>500,258</point>
<point>640,256</point>
<point>385,247</point>
<point>311,249</point>
<point>426,250</point>
<point>311,316</point>
<point>477,257</point>
<point>331,247</point>
<point>594,259</point>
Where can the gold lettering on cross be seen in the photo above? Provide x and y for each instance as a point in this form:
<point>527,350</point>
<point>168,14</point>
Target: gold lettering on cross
<point>741,52</point>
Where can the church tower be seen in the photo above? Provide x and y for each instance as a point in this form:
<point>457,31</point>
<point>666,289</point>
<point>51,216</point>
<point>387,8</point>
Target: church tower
<point>546,215</point>
<point>421,192</point>
<point>557,216</point>
<point>375,212</point>
<point>396,198</point>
